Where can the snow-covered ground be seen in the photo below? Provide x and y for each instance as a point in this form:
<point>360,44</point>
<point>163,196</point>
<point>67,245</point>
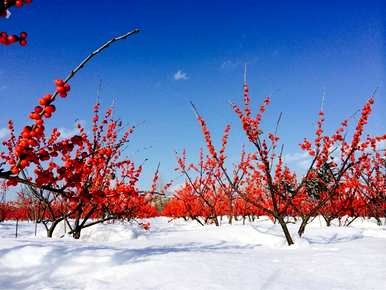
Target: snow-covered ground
<point>180,255</point>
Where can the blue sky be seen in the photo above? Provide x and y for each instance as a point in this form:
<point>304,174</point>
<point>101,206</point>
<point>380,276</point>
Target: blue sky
<point>195,50</point>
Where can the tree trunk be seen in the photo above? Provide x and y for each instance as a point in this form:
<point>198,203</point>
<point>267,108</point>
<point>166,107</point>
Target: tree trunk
<point>51,228</point>
<point>350,222</point>
<point>328,220</point>
<point>76,234</point>
<point>303,225</point>
<point>50,232</point>
<point>286,231</point>
<point>216,221</point>
<point>197,220</point>
<point>36,227</point>
<point>17,228</point>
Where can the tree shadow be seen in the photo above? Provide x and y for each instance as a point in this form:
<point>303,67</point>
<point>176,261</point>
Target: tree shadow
<point>62,256</point>
<point>333,239</point>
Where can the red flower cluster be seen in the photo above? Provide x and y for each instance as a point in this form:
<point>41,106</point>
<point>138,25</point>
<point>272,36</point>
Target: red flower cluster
<point>207,137</point>
<point>9,39</point>
<point>62,88</point>
<point>362,121</point>
<point>27,148</point>
<point>250,125</point>
<point>5,38</point>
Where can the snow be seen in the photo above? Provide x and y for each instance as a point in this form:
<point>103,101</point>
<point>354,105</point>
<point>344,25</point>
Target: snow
<point>185,255</point>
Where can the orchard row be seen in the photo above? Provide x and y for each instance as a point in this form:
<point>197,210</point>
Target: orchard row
<point>86,179</point>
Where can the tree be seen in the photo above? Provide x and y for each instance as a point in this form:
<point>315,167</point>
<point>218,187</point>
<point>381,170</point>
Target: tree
<point>76,172</point>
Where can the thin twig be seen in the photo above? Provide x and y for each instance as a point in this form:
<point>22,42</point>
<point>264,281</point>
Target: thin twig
<point>91,56</point>
<point>194,109</point>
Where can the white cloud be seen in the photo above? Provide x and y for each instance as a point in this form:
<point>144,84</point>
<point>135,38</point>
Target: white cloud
<point>230,64</point>
<point>381,145</point>
<point>236,63</point>
<point>66,133</point>
<point>3,132</point>
<point>180,76</point>
<point>299,162</point>
<point>176,186</point>
<point>304,164</point>
<point>296,157</point>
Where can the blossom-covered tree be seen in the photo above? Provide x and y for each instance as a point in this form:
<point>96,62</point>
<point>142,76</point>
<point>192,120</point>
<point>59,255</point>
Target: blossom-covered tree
<point>80,177</point>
